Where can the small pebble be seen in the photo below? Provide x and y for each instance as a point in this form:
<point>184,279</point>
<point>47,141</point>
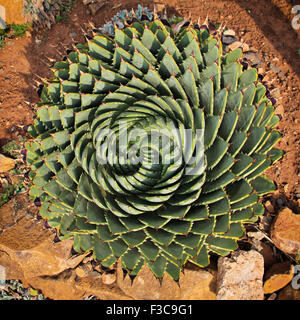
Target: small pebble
<point>253,57</point>
<point>228,39</point>
<point>279,201</point>
<point>229,32</point>
<point>269,206</point>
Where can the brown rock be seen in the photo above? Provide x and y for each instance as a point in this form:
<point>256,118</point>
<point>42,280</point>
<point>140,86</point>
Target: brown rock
<point>235,45</point>
<point>268,254</point>
<point>158,7</point>
<point>23,235</point>
<point>275,93</point>
<point>98,268</point>
<point>279,110</point>
<point>95,7</point>
<point>15,179</point>
<point>81,271</point>
<point>285,231</point>
<point>245,47</point>
<point>12,270</point>
<point>6,163</point>
<point>108,278</point>
<point>88,266</point>
<point>68,286</point>
<point>13,11</point>
<point>29,246</point>
<point>13,211</point>
<point>278,276</point>
<point>88,258</point>
<point>253,57</point>
<point>198,284</point>
<point>47,258</point>
<point>240,276</point>
<point>61,287</point>
<point>229,32</point>
<point>194,284</point>
<point>289,293</point>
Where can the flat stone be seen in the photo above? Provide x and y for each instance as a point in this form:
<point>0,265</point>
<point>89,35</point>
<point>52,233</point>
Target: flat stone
<point>43,259</point>
<point>235,45</point>
<point>252,57</point>
<point>240,276</point>
<point>6,163</point>
<point>278,276</point>
<point>229,32</point>
<point>227,40</point>
<point>285,231</point>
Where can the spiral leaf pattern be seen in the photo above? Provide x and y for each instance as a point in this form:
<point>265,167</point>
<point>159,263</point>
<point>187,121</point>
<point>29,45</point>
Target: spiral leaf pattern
<point>149,81</point>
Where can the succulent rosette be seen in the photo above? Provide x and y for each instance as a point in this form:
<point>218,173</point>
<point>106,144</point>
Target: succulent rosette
<point>119,90</point>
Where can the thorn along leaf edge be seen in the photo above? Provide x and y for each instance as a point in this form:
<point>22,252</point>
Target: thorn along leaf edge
<point>143,75</point>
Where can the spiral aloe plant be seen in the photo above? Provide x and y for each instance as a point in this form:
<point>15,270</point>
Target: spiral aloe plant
<point>149,77</point>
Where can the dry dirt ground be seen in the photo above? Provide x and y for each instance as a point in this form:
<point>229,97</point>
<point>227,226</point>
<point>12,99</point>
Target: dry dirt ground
<point>265,25</point>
